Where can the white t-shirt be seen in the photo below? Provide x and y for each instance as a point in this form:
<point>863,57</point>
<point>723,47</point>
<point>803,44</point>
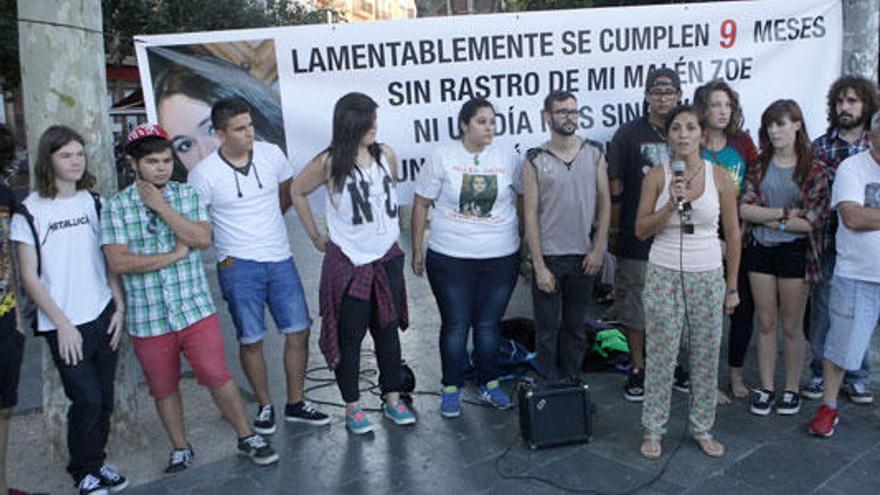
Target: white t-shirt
<point>245,209</point>
<point>362,219</point>
<point>857,180</point>
<point>72,268</point>
<point>475,201</point>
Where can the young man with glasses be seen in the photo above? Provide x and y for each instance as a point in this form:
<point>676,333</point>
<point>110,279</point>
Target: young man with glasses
<point>246,187</point>
<point>152,232</point>
<point>565,193</point>
<point>636,147</point>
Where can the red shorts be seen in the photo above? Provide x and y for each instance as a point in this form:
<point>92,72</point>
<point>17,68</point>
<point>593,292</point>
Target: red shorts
<point>201,344</point>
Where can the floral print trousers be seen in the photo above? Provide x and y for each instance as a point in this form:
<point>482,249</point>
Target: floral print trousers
<point>667,324</point>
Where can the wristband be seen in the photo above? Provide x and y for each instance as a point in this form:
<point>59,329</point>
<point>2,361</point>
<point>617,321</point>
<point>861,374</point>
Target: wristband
<point>732,290</point>
<point>782,226</point>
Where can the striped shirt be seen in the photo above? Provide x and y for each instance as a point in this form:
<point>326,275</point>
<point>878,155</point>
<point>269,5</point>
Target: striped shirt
<point>171,298</point>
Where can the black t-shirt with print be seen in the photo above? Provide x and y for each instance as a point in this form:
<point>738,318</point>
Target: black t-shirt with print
<point>636,147</point>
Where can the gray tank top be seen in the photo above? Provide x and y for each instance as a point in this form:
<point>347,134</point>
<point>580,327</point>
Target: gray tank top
<point>780,191</point>
<point>566,199</point>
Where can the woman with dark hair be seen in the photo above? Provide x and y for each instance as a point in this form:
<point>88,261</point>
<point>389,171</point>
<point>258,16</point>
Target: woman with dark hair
<point>80,304</point>
<point>187,85</point>
<point>685,296</point>
<point>784,202</point>
<point>362,283</point>
<point>472,259</point>
<point>726,145</point>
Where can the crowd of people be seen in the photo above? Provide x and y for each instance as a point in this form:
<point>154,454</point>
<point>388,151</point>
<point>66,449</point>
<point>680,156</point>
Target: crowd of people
<point>702,223</point>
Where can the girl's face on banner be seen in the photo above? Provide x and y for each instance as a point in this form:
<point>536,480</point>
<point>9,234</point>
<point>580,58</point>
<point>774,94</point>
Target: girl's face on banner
<point>188,122</point>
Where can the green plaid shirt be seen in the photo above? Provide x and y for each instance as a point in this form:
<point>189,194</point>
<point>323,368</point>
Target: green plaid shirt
<point>171,298</point>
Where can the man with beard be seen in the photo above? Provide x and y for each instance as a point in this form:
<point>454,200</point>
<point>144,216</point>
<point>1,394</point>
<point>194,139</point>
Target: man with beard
<point>851,102</point>
<point>637,146</point>
<point>565,193</point>
<point>152,233</point>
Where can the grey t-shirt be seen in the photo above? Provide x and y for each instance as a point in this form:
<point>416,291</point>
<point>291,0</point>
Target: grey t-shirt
<point>780,191</point>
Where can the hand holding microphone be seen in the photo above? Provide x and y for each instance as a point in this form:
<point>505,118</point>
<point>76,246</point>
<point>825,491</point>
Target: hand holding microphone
<point>678,168</point>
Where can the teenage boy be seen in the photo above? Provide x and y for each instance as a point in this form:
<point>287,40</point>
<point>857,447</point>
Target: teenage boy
<point>152,233</point>
<point>246,188</point>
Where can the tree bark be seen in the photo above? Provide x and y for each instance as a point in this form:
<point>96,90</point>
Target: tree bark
<point>861,37</point>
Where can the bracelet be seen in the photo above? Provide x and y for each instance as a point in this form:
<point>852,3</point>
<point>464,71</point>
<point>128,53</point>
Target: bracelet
<point>782,226</point>
<point>732,290</point>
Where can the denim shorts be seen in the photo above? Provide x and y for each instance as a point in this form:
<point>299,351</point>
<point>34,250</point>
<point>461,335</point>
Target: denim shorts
<point>248,286</point>
<point>855,309</point>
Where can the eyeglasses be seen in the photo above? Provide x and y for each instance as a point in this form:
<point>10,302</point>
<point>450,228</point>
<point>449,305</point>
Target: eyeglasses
<point>566,113</point>
<point>664,94</point>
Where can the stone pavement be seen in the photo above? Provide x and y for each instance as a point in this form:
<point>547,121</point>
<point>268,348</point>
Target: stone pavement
<point>467,455</point>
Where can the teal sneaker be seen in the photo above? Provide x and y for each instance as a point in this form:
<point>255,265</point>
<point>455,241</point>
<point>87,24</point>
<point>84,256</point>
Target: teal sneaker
<point>399,413</point>
<point>358,422</point>
<point>450,403</point>
<point>492,394</point>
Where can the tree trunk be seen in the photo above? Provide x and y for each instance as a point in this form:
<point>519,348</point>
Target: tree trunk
<point>64,82</point>
<point>861,37</point>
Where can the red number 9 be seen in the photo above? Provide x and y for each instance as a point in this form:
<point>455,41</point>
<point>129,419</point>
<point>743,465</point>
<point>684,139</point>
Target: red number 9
<point>728,33</point>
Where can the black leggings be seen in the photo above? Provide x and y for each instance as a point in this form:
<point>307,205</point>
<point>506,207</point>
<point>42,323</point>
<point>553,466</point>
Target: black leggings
<point>355,317</point>
<point>741,321</point>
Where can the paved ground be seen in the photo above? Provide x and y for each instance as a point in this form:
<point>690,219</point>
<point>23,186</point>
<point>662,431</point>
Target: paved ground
<point>480,451</point>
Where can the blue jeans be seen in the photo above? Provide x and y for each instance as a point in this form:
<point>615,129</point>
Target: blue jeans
<point>820,322</point>
<point>248,286</point>
<point>470,293</point>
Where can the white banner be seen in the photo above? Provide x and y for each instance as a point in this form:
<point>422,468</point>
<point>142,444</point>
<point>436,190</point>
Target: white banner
<point>421,71</point>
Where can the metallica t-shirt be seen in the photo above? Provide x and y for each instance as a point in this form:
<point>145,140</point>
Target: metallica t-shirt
<point>72,263</point>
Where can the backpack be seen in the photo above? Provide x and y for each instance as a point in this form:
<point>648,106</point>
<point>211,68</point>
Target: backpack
<point>26,306</point>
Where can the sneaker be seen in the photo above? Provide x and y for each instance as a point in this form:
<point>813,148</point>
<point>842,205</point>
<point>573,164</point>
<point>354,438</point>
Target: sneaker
<point>814,389</point>
<point>789,404</point>
<point>111,478</point>
<point>258,449</point>
<point>264,423</point>
<point>634,389</point>
<point>91,485</point>
<point>824,422</point>
<point>492,394</point>
<point>304,412</point>
<point>450,402</point>
<point>762,402</point>
<point>180,459</point>
<point>357,422</point>
<point>682,381</point>
<point>399,413</point>
<point>858,393</point>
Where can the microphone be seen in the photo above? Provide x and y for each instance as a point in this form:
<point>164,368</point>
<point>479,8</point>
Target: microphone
<point>678,168</point>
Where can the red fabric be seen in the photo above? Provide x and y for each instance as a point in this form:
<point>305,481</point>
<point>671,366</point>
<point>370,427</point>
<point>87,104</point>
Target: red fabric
<point>201,343</point>
<point>339,277</point>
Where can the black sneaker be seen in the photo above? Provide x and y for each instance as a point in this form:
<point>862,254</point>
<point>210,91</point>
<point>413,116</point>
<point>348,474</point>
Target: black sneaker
<point>257,448</point>
<point>789,404</point>
<point>858,393</point>
<point>634,389</point>
<point>304,412</point>
<point>111,478</point>
<point>762,402</point>
<point>814,389</point>
<point>264,423</point>
<point>91,485</point>
<point>180,459</point>
<point>682,381</point>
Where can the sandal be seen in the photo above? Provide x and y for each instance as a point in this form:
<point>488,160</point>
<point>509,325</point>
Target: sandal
<point>708,444</point>
<point>651,447</point>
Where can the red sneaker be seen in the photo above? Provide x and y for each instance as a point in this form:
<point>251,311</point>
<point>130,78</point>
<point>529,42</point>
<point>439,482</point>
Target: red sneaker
<point>824,422</point>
